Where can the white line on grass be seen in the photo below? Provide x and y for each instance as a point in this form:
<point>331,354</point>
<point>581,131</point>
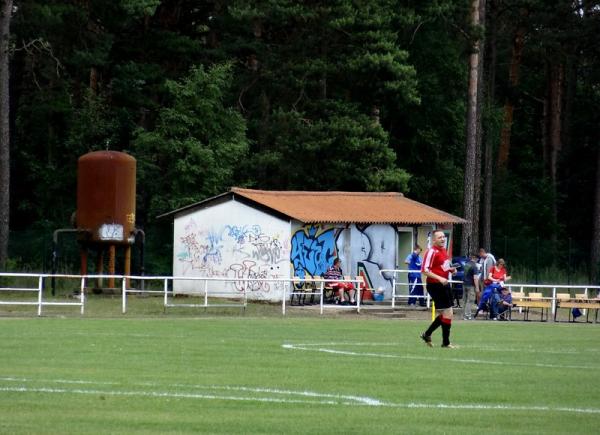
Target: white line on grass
<point>483,347</point>
<point>373,402</point>
<point>57,381</point>
<point>338,397</point>
<point>316,347</point>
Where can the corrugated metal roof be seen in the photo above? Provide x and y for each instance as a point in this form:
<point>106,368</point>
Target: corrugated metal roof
<point>348,207</point>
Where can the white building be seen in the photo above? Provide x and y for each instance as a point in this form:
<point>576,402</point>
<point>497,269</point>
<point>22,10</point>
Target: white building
<point>247,233</point>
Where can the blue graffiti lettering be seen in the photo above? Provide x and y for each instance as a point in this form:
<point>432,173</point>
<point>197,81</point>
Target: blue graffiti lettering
<point>312,252</point>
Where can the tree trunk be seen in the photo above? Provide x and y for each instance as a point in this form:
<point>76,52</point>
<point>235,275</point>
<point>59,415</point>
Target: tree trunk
<point>5,15</point>
<point>509,105</point>
<point>480,134</point>
<point>553,128</point>
<point>467,241</point>
<point>553,120</point>
<point>490,137</point>
<point>595,248</point>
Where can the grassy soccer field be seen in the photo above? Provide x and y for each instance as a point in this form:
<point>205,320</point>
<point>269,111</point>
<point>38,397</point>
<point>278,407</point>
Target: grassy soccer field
<point>267,374</point>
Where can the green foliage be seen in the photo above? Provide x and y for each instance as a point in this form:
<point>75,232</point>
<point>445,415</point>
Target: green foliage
<point>197,145</point>
<point>329,94</point>
<point>319,72</point>
<point>139,8</point>
<point>352,147</point>
<point>429,139</point>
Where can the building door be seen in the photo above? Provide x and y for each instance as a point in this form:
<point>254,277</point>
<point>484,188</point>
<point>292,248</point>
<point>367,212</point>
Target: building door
<point>404,248</point>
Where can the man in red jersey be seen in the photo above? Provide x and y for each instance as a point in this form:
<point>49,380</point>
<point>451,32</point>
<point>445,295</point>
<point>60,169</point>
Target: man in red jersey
<point>436,267</point>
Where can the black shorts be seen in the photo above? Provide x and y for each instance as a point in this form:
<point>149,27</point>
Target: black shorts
<point>441,295</point>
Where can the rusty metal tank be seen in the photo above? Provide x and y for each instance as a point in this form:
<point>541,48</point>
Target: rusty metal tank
<point>106,196</point>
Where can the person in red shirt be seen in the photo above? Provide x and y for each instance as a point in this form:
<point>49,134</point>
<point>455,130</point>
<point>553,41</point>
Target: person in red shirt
<point>436,267</point>
<point>493,283</point>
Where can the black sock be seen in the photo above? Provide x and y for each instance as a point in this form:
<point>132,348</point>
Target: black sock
<point>434,325</point>
<point>446,333</point>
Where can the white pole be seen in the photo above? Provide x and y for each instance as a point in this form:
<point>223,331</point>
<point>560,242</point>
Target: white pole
<point>40,282</point>
<point>82,298</point>
<point>123,297</point>
<point>322,290</point>
<point>283,294</point>
<point>358,295</point>
<point>394,290</point>
<point>165,288</point>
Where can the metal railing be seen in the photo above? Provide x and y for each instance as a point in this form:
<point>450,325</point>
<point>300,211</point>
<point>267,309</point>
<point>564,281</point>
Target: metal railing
<point>396,284</point>
<point>287,291</point>
<point>216,299</point>
<point>510,286</point>
<point>554,287</point>
<point>40,302</point>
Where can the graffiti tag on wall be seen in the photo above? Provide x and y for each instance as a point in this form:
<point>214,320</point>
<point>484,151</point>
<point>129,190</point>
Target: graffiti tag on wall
<point>313,250</point>
<point>234,251</point>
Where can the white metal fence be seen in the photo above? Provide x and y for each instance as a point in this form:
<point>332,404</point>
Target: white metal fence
<point>398,285</point>
<point>213,299</point>
<point>38,289</point>
<point>549,288</point>
<point>36,285</point>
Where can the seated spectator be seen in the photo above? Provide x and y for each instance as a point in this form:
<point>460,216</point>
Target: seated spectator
<point>500,303</point>
<point>345,289</point>
<point>495,280</point>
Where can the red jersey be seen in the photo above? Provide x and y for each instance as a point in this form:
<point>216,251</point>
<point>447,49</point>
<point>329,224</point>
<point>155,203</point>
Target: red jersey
<point>436,260</point>
<point>498,273</point>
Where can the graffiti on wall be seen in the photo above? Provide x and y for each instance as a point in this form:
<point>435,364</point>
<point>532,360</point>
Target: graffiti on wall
<point>234,251</point>
<point>313,250</point>
<point>375,253</point>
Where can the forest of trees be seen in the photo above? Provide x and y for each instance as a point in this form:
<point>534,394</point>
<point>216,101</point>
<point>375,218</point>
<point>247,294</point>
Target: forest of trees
<point>487,109</point>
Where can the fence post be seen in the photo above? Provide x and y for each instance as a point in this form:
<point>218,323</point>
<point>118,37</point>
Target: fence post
<point>322,290</point>
<point>358,296</point>
<point>283,292</point>
<point>82,294</point>
<point>553,301</point>
<point>123,297</point>
<point>394,290</point>
<point>40,287</point>
<point>166,289</point>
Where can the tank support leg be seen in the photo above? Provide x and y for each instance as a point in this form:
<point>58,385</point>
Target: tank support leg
<point>100,267</point>
<point>127,264</point>
<point>111,266</point>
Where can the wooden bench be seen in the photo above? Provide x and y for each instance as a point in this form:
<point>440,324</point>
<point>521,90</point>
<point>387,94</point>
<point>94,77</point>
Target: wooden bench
<point>580,301</point>
<point>532,300</point>
<point>298,286</point>
<point>330,293</point>
<point>303,287</point>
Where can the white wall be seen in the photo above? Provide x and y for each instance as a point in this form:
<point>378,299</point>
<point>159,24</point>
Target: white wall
<point>374,248</point>
<point>235,241</point>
